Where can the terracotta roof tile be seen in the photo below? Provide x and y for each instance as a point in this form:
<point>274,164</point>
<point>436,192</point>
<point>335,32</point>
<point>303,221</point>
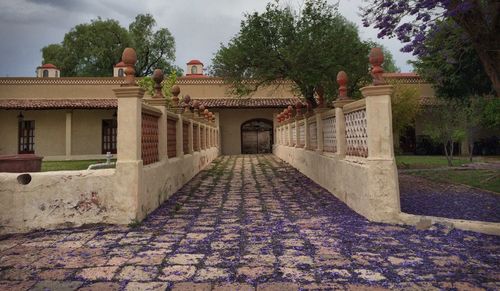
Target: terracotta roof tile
<point>194,62</point>
<point>248,102</point>
<point>38,104</point>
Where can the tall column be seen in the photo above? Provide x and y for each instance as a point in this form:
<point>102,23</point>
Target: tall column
<point>69,115</point>
<point>319,129</point>
<point>158,101</point>
<point>191,137</point>
<point>379,121</point>
<point>340,128</point>
<point>179,136</point>
<point>306,133</point>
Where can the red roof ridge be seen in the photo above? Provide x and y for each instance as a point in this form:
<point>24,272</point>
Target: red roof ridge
<point>194,62</point>
<point>48,66</point>
<point>120,64</point>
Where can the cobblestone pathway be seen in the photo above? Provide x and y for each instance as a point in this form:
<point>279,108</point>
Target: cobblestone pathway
<point>250,222</point>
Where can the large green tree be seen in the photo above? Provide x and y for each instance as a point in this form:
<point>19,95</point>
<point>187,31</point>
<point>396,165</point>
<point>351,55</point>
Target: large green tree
<point>155,49</point>
<point>455,71</point>
<point>308,47</point>
<point>92,49</point>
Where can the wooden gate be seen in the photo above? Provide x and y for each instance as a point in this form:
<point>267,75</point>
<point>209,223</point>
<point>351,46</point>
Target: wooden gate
<point>256,136</point>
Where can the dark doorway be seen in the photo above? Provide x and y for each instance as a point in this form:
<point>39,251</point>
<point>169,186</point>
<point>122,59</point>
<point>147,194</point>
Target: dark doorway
<point>257,136</point>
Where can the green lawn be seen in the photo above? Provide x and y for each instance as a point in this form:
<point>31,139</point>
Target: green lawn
<point>68,165</point>
<point>426,162</point>
<point>484,179</point>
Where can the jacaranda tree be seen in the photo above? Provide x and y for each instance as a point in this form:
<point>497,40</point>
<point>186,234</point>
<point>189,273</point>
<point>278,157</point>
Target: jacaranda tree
<point>411,21</point>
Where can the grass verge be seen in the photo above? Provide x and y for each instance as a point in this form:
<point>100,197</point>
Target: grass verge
<point>68,165</point>
<point>483,179</point>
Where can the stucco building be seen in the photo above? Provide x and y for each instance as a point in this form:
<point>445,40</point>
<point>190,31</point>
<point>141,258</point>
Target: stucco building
<point>75,118</point>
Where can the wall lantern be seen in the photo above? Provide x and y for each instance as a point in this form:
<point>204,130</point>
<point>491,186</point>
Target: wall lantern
<point>20,117</point>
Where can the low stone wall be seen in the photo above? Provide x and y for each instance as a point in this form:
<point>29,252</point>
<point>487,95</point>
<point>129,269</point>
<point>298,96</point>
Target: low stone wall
<point>162,179</point>
<point>74,198</point>
<point>368,187</point>
<point>55,199</point>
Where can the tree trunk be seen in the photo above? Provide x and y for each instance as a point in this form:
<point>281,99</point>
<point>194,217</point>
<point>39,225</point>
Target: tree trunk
<point>471,150</point>
<point>451,153</point>
<point>446,154</point>
<point>491,66</point>
<point>484,36</point>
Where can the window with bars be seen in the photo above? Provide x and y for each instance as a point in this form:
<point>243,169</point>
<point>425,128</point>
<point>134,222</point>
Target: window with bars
<point>109,132</point>
<point>26,137</point>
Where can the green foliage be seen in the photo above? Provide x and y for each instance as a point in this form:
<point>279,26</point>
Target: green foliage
<point>445,123</point>
<point>483,179</point>
<point>135,223</point>
<point>405,106</point>
<point>452,64</point>
<point>426,162</point>
<point>308,47</point>
<point>92,49</point>
<point>155,49</point>
<point>147,84</point>
<point>68,165</point>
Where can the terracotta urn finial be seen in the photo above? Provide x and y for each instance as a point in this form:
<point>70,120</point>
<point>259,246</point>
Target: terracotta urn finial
<point>376,58</point>
<point>158,78</point>
<point>129,57</point>
<point>342,80</point>
<point>187,100</point>
<point>196,107</point>
<point>290,109</point>
<point>175,90</point>
<point>298,108</point>
<point>321,95</point>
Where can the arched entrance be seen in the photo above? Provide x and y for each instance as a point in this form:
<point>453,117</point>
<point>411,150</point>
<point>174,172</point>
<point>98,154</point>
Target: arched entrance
<point>256,136</point>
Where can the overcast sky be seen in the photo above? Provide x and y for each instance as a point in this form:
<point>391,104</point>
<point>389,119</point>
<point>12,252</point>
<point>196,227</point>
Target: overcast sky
<point>199,26</point>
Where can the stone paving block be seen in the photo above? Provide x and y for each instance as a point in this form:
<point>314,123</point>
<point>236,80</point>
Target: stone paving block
<point>187,286</point>
<point>101,286</point>
<point>233,287</point>
<point>97,273</point>
<point>177,273</point>
<point>57,285</point>
<point>278,286</point>
<point>185,259</point>
<point>55,274</point>
<point>16,285</point>
<point>137,273</point>
<point>149,286</point>
<point>211,274</point>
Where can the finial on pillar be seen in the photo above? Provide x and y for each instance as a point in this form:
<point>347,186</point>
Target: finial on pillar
<point>321,95</point>
<point>175,90</point>
<point>158,78</point>
<point>196,106</point>
<point>129,57</point>
<point>205,113</point>
<point>290,109</point>
<point>298,108</point>
<point>342,80</point>
<point>187,99</point>
<point>376,58</point>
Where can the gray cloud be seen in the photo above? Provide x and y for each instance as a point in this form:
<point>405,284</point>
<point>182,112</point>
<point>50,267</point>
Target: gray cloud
<point>199,26</point>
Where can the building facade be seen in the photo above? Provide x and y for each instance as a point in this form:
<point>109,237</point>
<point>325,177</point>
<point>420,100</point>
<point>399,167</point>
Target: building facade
<point>75,118</point>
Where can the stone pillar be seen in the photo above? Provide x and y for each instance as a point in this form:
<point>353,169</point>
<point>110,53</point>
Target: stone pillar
<point>191,137</point>
<point>340,127</point>
<point>129,161</point>
<point>158,101</point>
<point>379,121</point>
<point>69,116</point>
<point>179,136</point>
<point>306,133</point>
<point>319,129</point>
